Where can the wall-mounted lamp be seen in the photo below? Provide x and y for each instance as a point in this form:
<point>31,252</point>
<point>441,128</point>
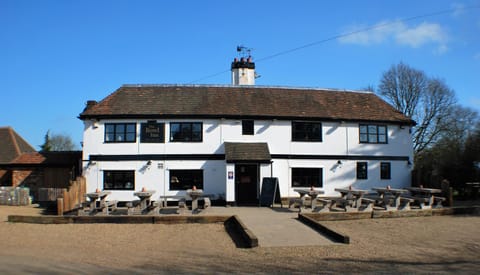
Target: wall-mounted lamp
<point>149,163</point>
<point>91,163</point>
<point>409,163</point>
<point>339,162</point>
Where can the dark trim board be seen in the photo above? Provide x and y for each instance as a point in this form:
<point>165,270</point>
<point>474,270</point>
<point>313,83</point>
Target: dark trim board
<point>148,157</point>
<point>240,117</point>
<point>157,157</point>
<point>340,157</point>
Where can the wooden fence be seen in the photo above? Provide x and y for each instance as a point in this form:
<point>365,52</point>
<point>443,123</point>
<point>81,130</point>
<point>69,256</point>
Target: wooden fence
<point>74,195</point>
<point>67,198</point>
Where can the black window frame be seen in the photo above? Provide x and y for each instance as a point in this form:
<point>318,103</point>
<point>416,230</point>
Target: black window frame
<point>385,170</point>
<point>122,176</point>
<point>362,170</point>
<point>150,137</point>
<point>370,133</point>
<point>116,132</point>
<point>183,179</point>
<point>307,177</point>
<point>303,131</point>
<point>248,127</point>
<point>186,136</point>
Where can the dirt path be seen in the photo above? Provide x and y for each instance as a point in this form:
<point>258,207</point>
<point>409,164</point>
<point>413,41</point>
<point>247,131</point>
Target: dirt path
<point>445,244</point>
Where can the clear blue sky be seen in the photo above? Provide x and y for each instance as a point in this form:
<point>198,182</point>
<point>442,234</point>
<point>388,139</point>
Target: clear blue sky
<point>56,55</point>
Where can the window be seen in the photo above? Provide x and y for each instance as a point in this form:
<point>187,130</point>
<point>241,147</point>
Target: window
<point>186,179</point>
<point>306,131</point>
<point>307,177</point>
<point>119,180</point>
<point>152,132</point>
<point>362,170</point>
<point>373,133</point>
<point>247,127</point>
<point>186,131</point>
<point>385,171</point>
<point>120,132</point>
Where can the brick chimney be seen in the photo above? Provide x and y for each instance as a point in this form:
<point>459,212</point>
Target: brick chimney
<point>243,71</point>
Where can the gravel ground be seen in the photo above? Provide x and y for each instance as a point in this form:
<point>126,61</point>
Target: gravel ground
<point>441,244</point>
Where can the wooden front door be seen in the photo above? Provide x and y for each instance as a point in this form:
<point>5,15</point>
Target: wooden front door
<point>246,184</point>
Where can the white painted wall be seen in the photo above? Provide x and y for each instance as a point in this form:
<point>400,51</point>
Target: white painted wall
<point>338,139</point>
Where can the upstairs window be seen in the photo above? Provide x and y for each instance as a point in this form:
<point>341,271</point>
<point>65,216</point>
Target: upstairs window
<point>120,132</point>
<point>247,127</point>
<point>306,131</point>
<point>370,133</point>
<point>186,132</point>
<point>307,177</point>
<point>362,170</point>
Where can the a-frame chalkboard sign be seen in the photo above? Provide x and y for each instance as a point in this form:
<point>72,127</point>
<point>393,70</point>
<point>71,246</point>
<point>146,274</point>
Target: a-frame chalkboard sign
<point>270,193</point>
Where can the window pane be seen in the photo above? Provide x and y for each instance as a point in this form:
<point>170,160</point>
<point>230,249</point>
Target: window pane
<point>363,129</point>
<point>363,138</point>
<point>109,128</point>
<point>382,129</point>
<point>372,129</point>
<point>130,137</point>
<point>382,139</point>
<point>372,138</point>
<point>131,128</point>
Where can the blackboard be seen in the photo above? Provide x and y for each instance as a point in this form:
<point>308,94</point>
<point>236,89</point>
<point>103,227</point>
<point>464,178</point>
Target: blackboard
<point>270,193</point>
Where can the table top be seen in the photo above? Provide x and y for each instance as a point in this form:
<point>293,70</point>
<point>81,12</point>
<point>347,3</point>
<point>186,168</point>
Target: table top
<point>147,193</point>
<point>308,191</point>
<point>96,195</point>
<point>197,192</point>
<point>391,190</point>
<point>352,191</point>
<point>424,190</point>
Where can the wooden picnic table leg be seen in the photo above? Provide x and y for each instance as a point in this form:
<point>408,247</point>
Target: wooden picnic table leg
<point>194,205</point>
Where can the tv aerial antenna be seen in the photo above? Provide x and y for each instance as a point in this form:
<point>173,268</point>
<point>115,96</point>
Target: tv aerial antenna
<point>244,51</point>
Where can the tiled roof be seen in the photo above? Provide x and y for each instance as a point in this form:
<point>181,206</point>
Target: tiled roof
<point>12,145</point>
<point>143,101</point>
<point>61,158</point>
<point>244,151</point>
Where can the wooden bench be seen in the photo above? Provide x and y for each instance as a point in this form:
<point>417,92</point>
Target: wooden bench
<point>439,201</point>
<point>345,204</point>
<point>367,204</point>
<point>423,202</point>
<point>324,205</point>
<point>405,203</point>
<point>295,201</point>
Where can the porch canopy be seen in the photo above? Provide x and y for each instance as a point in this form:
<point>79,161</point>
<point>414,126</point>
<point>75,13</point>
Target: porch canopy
<point>253,152</point>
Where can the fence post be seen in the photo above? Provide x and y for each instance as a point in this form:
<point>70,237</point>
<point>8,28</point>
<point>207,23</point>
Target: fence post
<point>60,206</point>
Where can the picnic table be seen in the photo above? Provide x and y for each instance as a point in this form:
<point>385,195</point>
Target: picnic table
<point>425,196</point>
<point>390,197</point>
<point>97,203</point>
<point>310,192</point>
<point>194,194</point>
<point>351,199</point>
<point>145,205</point>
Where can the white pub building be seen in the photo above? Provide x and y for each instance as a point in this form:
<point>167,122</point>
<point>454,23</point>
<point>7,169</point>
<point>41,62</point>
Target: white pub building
<point>225,139</point>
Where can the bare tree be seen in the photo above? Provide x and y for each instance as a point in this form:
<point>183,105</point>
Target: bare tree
<point>58,142</point>
<point>426,100</point>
